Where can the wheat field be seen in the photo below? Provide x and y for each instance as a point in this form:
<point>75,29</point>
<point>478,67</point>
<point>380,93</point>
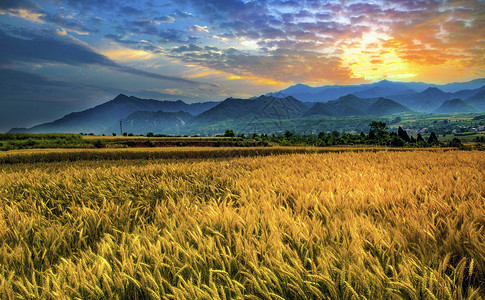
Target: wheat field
<point>367,225</point>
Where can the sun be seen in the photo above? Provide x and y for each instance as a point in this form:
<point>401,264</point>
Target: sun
<point>370,59</point>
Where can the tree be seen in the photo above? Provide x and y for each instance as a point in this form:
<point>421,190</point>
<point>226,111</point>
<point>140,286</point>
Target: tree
<point>229,133</point>
<point>456,143</point>
<point>419,138</point>
<point>433,139</point>
<point>397,141</point>
<point>403,134</point>
<point>335,133</point>
<point>288,134</point>
<point>378,130</point>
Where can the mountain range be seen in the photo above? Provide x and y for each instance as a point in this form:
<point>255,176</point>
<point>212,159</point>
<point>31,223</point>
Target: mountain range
<point>266,112</point>
<point>105,118</point>
<point>382,88</point>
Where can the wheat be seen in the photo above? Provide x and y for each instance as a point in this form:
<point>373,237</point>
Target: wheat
<point>225,224</point>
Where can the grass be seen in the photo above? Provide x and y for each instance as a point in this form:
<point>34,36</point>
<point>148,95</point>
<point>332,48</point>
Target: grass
<point>346,225</point>
<point>70,155</point>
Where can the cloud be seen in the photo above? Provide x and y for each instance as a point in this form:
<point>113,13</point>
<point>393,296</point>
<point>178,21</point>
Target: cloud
<point>30,11</point>
<point>130,10</point>
<point>17,4</point>
<point>280,65</point>
<point>165,19</point>
<point>197,28</point>
<point>48,48</point>
<point>315,34</point>
<point>287,40</point>
<point>88,5</point>
<point>182,14</point>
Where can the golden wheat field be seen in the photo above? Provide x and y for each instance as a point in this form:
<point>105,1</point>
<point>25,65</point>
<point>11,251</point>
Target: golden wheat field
<point>367,225</point>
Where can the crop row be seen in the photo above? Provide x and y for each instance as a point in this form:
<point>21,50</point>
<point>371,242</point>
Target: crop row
<point>295,226</point>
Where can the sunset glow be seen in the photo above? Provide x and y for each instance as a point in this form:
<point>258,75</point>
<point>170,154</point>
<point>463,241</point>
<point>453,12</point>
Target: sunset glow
<point>216,48</point>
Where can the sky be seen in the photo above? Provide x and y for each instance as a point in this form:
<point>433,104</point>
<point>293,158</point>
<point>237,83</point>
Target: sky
<point>57,56</point>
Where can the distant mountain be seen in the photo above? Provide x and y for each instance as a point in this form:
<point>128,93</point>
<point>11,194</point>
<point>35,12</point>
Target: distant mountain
<point>351,105</point>
<point>263,107</point>
<point>454,106</point>
<point>384,106</point>
<point>458,86</point>
<point>273,112</point>
<point>100,119</point>
<point>478,100</point>
<point>142,122</point>
<point>376,92</point>
<point>426,101</point>
<point>382,88</point>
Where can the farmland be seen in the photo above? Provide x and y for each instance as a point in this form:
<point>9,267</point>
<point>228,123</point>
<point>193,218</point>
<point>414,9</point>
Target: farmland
<point>273,223</point>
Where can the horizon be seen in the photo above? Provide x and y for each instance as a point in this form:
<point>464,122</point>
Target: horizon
<point>427,86</point>
<point>63,56</point>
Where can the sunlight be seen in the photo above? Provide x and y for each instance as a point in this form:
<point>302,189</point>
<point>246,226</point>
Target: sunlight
<point>24,14</point>
<point>126,54</point>
<point>367,58</point>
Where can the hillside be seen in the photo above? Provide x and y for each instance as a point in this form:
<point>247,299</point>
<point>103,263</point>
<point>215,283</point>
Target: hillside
<point>418,96</point>
<point>263,107</point>
<point>101,118</point>
<point>142,122</point>
<point>352,105</point>
<point>382,88</point>
<point>478,100</point>
<point>454,106</point>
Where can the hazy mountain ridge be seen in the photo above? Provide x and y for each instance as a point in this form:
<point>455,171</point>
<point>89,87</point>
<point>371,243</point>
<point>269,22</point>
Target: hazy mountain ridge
<point>351,105</point>
<point>104,117</point>
<point>139,116</point>
<point>263,107</point>
<point>141,122</point>
<point>454,105</point>
<point>416,95</point>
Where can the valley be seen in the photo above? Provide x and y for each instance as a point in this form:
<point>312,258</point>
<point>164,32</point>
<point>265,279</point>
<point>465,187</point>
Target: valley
<point>300,109</point>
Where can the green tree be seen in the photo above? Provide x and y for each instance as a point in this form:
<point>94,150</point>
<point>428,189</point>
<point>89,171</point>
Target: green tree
<point>456,143</point>
<point>378,131</point>
<point>229,133</point>
<point>288,134</point>
<point>397,141</point>
<point>403,134</point>
<point>433,139</point>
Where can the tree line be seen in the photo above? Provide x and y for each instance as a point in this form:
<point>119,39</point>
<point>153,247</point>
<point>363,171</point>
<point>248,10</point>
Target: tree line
<point>378,134</point>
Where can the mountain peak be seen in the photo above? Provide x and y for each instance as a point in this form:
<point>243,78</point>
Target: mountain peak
<point>454,105</point>
<point>384,82</point>
<point>432,90</point>
<point>121,97</point>
<point>349,97</point>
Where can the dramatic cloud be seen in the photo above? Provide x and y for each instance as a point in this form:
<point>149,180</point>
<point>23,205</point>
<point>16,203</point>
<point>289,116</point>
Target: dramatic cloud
<point>244,48</point>
<point>35,47</point>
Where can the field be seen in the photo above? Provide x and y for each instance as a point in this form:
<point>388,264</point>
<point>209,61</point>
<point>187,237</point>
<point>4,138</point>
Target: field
<point>223,225</point>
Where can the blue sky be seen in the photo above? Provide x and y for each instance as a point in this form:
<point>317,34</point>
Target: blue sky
<point>62,56</point>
